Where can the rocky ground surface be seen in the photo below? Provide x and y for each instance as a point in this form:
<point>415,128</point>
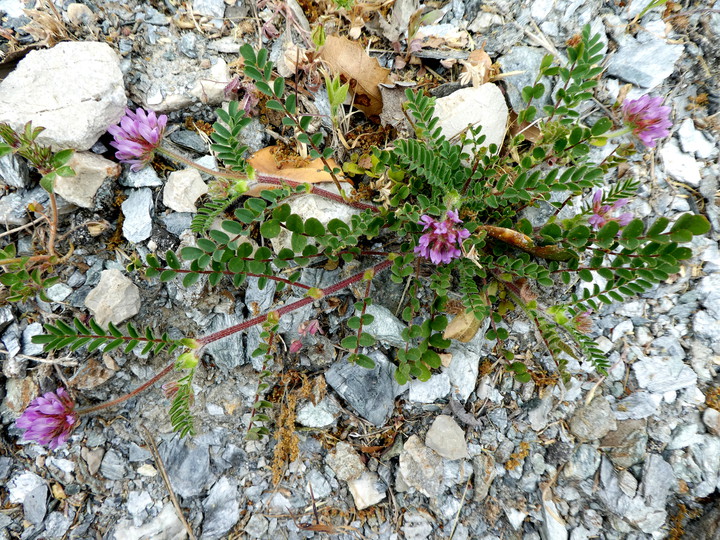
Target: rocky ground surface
<point>469,454</point>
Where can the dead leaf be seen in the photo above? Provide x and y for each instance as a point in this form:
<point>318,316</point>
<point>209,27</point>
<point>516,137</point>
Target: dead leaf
<point>463,327</point>
<point>299,170</point>
<point>363,73</point>
<point>476,69</point>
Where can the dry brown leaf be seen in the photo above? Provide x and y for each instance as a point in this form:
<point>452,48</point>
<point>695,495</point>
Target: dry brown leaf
<point>312,172</point>
<point>463,327</point>
<point>476,69</point>
<point>363,73</point>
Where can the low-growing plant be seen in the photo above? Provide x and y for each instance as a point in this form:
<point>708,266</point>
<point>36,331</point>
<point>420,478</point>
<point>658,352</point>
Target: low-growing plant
<point>451,227</point>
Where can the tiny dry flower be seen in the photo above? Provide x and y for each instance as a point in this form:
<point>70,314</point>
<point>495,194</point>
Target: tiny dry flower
<point>442,239</point>
<point>648,118</point>
<point>137,137</point>
<point>49,419</point>
<point>601,211</point>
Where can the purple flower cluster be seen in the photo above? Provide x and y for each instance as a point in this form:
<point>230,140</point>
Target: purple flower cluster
<point>601,211</point>
<point>648,118</point>
<point>442,239</point>
<point>49,419</point>
<point>137,137</point>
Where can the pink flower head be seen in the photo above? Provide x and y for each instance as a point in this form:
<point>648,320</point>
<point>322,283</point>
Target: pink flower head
<point>648,118</point>
<point>49,419</point>
<point>441,242</point>
<point>137,137</point>
<point>601,211</point>
<point>311,327</point>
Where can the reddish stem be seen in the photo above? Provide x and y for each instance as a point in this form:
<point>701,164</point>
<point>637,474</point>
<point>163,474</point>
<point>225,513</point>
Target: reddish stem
<point>332,289</point>
<point>141,388</point>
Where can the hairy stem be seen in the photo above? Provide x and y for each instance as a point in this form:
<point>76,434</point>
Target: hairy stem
<point>138,390</point>
<point>322,293</point>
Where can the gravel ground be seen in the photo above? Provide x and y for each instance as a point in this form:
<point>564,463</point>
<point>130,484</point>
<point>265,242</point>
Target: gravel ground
<point>471,453</point>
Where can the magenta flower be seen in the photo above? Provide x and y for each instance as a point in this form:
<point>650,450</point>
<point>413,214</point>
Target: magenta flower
<point>648,118</point>
<point>441,242</point>
<point>49,419</point>
<point>137,137</point>
<point>601,211</point>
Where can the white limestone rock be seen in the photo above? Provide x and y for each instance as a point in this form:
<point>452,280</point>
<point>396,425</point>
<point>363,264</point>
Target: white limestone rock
<point>483,106</point>
<point>74,90</point>
<point>366,490</point>
<point>90,172</point>
<point>115,299</point>
<point>447,438</point>
<point>182,189</point>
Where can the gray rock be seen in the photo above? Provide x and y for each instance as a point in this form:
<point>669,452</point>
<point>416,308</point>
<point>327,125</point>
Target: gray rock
<point>165,526</point>
<point>11,339</point>
<point>145,177</point>
<point>57,524</point>
<point>694,142</point>
<point>21,485</point>
<point>189,139</point>
<point>31,330</point>
<point>370,392</point>
<point>137,210</point>
<point>437,387</point>
<point>583,463</point>
<point>320,486</point>
<point>593,421</point>
<point>554,527</point>
<point>6,317</point>
<point>484,468</point>
<point>188,467</point>
<point>323,414</point>
<point>188,45</point>
<point>447,438</point>
<point>421,467</point>
<point>13,210</point>
<point>527,60</point>
<point>657,481</point>
<point>34,508</point>
<point>222,510</point>
<point>386,327</point>
<point>209,8</point>
<point>115,299</point>
<point>256,526</point>
<point>680,166</point>
<point>75,90</point>
<point>626,445</point>
<point>637,405</point>
<point>228,352</point>
<point>660,375</point>
<point>58,292</point>
<point>416,526</point>
<point>90,172</point>
<point>499,418</point>
<point>345,462</point>
<point>706,326</point>
<point>177,222</point>
<point>645,64</point>
<point>113,466</point>
<point>138,502</point>
<point>14,172</point>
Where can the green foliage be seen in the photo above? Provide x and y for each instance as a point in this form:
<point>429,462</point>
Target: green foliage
<point>181,417</point>
<point>93,337</point>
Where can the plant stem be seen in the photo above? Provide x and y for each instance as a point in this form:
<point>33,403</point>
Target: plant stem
<point>266,178</point>
<point>332,289</point>
<point>139,389</point>
<point>53,224</point>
